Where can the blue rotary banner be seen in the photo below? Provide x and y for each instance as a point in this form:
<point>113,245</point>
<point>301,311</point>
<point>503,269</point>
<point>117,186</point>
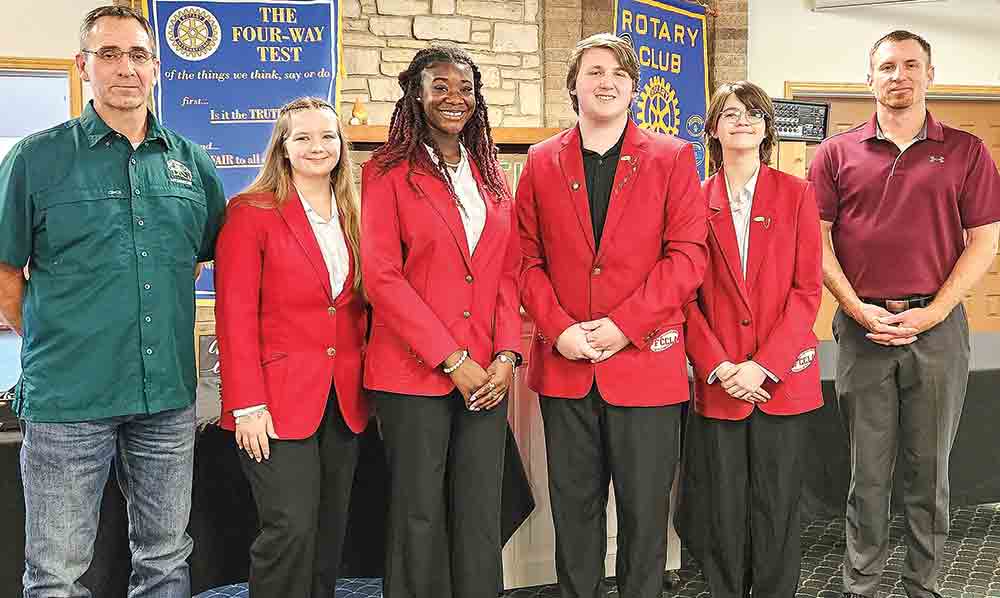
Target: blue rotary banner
<point>669,38</point>
<point>227,67</point>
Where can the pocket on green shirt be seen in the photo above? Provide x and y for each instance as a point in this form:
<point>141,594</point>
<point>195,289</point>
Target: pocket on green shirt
<point>84,230</point>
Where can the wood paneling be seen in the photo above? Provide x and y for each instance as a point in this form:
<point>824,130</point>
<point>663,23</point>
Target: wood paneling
<point>975,109</point>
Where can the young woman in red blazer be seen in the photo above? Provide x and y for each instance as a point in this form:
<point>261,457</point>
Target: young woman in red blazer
<point>291,325</point>
<point>441,257</point>
<point>750,340</point>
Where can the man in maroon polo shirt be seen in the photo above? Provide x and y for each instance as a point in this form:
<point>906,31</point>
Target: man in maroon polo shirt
<point>909,211</point>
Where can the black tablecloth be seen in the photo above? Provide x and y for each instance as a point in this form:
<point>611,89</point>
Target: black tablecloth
<point>975,479</point>
<point>223,517</point>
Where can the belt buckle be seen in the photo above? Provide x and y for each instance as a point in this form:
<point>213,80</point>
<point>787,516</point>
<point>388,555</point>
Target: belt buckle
<point>897,305</point>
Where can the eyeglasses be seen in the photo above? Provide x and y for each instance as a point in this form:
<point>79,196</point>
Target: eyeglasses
<point>754,115</point>
<point>112,54</point>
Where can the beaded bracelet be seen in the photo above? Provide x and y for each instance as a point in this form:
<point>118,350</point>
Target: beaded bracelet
<point>458,364</point>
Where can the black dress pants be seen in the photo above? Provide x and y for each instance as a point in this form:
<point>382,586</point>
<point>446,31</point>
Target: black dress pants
<point>445,468</point>
<point>588,444</point>
<point>302,493</point>
<point>743,482</point>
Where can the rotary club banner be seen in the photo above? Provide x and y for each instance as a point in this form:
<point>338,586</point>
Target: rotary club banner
<point>669,38</point>
<point>227,67</point>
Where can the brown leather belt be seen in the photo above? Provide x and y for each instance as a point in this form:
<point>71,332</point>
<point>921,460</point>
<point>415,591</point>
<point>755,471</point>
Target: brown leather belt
<point>899,305</point>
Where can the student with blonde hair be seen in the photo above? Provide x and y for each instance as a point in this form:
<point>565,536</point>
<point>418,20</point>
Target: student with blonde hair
<point>612,226</point>
<point>291,325</point>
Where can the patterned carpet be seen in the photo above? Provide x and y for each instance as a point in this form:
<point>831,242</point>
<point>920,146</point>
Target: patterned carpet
<point>971,568</point>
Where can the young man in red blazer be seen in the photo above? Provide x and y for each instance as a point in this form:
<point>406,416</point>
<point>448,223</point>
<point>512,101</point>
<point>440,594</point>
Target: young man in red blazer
<point>612,225</point>
<point>750,341</point>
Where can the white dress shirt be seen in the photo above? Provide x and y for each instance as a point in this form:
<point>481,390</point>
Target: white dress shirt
<point>471,206</point>
<point>333,246</point>
<point>740,204</point>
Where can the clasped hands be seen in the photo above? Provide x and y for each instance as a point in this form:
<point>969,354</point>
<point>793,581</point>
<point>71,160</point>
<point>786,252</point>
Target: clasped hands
<point>742,381</point>
<point>893,330</point>
<point>481,389</point>
<point>595,340</point>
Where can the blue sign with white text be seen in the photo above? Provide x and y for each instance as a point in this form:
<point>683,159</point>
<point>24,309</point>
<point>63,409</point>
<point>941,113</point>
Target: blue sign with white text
<point>227,67</point>
<point>669,39</point>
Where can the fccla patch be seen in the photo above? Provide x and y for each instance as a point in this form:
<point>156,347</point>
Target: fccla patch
<point>664,341</point>
<point>804,360</point>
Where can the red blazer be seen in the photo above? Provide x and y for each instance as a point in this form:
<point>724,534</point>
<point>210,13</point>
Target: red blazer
<point>769,318</point>
<point>651,259</point>
<point>282,337</point>
<point>429,297</point>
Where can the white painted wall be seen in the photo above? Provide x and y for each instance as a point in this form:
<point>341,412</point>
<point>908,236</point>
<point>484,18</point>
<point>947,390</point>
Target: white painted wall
<point>43,29</point>
<point>789,41</point>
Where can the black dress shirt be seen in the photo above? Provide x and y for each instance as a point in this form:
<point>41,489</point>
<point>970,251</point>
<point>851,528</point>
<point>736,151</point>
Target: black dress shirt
<point>599,170</point>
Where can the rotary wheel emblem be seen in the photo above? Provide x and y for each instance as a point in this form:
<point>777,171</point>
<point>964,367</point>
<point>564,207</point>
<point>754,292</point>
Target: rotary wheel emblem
<point>193,33</point>
<point>659,109</point>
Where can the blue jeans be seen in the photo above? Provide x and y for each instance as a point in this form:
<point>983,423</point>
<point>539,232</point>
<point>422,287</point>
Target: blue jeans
<point>65,468</point>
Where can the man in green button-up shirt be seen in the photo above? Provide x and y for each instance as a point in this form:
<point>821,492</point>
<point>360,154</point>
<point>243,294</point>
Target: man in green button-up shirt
<point>112,212</point>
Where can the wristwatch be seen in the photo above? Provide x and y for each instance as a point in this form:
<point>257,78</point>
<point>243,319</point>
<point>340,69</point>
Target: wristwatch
<point>505,358</point>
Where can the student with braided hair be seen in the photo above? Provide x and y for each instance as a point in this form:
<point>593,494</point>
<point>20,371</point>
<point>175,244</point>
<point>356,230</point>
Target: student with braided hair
<point>441,259</point>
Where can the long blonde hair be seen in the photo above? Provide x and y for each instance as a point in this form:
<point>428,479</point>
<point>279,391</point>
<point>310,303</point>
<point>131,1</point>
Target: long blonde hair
<point>275,176</point>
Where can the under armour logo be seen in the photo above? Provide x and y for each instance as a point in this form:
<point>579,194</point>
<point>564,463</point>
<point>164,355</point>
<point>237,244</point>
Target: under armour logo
<point>938,159</point>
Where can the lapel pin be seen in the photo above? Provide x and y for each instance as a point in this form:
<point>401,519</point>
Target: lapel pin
<point>765,220</point>
<point>626,158</point>
<point>575,185</point>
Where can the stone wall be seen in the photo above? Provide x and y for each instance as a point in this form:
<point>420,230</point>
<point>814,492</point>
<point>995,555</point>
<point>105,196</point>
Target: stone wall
<point>561,29</point>
<point>728,38</point>
<point>382,36</point>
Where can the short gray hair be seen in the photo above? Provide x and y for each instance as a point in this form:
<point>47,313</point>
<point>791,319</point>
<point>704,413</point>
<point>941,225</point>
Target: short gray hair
<point>118,12</point>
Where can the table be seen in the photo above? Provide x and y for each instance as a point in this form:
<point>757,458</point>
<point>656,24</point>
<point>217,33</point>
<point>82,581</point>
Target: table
<point>223,520</point>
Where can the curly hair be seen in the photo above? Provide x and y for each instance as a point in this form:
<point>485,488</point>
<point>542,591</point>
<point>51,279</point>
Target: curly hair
<point>409,131</point>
